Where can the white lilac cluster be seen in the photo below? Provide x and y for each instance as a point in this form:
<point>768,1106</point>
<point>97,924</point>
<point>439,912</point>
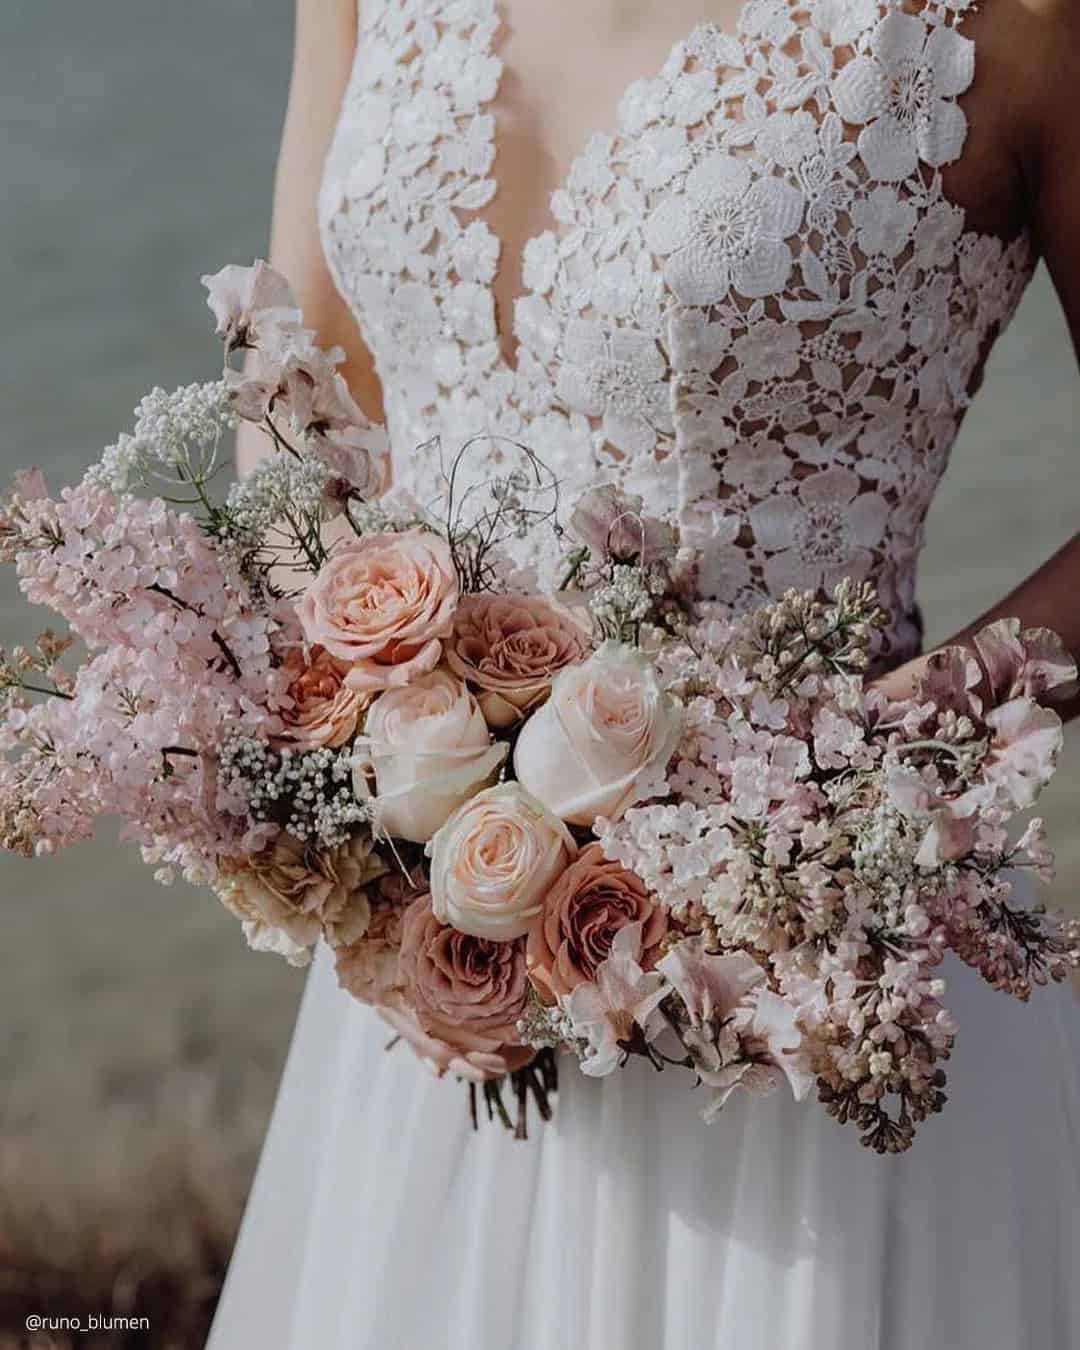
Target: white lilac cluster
<point>176,436</point>
<point>308,793</point>
<point>845,844</point>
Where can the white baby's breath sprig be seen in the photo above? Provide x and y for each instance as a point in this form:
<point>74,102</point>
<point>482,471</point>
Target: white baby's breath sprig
<point>176,439</point>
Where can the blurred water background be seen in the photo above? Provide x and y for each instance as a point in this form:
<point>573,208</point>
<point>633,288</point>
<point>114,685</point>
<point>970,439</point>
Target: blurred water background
<point>142,1041</point>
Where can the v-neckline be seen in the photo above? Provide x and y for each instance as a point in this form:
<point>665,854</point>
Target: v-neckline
<point>507,339</point>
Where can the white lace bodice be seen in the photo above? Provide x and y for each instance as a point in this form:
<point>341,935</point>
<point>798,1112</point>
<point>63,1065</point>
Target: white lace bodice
<point>754,305</point>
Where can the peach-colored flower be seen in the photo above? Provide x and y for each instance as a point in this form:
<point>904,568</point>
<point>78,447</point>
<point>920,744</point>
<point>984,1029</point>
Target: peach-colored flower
<point>467,992</point>
<point>494,860</point>
<point>325,710</point>
<point>383,604</point>
<point>510,648</point>
<point>583,911</point>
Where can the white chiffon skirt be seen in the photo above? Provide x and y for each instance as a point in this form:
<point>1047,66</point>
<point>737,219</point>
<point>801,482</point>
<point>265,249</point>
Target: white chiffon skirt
<point>380,1221</point>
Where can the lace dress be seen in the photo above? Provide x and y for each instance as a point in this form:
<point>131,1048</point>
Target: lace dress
<point>755,306</point>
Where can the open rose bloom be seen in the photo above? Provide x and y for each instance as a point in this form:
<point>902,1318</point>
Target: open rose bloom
<point>534,816</point>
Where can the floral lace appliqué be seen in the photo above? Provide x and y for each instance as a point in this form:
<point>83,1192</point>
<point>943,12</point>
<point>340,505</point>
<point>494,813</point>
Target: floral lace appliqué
<point>754,304</point>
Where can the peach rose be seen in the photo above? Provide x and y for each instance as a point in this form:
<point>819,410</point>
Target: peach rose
<point>493,862</point>
<point>467,993</point>
<point>583,911</point>
<point>430,750</point>
<point>383,604</point>
<point>325,711</point>
<point>607,724</point>
<point>510,648</point>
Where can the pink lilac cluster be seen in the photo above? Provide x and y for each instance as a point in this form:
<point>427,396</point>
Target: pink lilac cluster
<point>179,658</point>
<point>845,844</point>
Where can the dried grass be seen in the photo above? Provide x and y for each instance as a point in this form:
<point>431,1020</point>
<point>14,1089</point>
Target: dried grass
<point>135,1219</point>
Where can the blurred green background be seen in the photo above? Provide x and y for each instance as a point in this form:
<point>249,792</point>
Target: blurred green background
<point>142,1040</point>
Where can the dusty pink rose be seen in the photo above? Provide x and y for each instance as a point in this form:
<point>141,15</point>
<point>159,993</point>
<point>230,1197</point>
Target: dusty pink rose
<point>325,710</point>
<point>583,911</point>
<point>510,648</point>
<point>467,992</point>
<point>383,605</point>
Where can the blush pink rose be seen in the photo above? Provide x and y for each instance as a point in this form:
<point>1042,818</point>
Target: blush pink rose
<point>467,992</point>
<point>588,905</point>
<point>510,648</point>
<point>325,711</point>
<point>383,604</point>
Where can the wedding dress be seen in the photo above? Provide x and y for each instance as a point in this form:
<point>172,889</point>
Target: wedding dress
<point>755,306</point>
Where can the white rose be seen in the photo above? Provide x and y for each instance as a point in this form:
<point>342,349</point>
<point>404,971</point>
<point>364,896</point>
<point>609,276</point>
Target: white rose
<point>607,724</point>
<point>430,749</point>
<point>494,861</point>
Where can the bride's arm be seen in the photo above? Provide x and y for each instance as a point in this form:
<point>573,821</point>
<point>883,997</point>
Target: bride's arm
<point>325,42</point>
<point>1050,597</point>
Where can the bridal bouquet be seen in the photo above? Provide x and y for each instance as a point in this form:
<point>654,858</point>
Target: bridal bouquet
<point>591,820</point>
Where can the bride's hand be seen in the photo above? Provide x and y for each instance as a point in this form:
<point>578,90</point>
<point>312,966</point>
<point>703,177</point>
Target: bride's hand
<point>902,682</point>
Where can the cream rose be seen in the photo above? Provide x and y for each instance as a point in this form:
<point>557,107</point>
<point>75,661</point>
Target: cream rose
<point>495,860</point>
<point>510,648</point>
<point>606,725</point>
<point>382,605</point>
<point>430,750</point>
